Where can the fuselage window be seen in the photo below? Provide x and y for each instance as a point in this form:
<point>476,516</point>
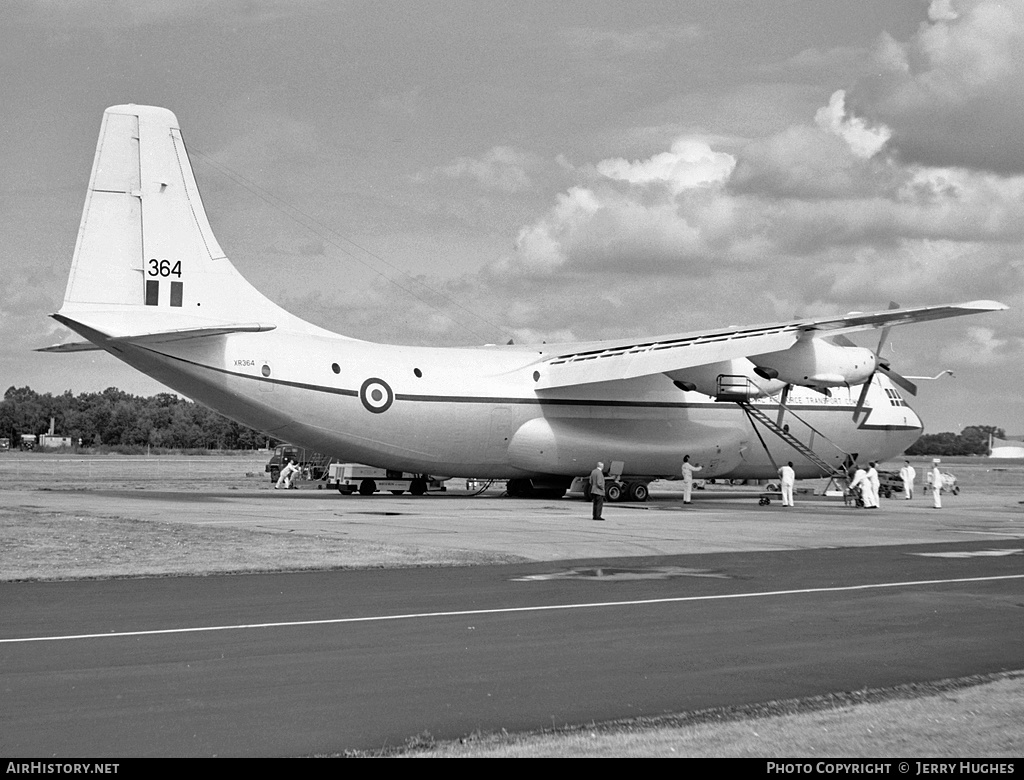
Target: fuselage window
<point>335,368</point>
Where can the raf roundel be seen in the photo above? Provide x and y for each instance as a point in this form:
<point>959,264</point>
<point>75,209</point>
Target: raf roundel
<point>376,395</point>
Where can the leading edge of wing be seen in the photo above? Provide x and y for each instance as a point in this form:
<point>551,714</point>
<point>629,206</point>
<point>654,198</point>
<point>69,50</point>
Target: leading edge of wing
<point>614,360</point>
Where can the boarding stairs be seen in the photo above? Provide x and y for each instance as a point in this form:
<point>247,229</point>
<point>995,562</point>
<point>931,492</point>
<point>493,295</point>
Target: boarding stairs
<point>318,463</point>
<point>739,390</point>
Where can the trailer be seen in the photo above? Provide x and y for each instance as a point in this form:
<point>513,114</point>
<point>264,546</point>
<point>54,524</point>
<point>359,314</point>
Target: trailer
<point>350,478</point>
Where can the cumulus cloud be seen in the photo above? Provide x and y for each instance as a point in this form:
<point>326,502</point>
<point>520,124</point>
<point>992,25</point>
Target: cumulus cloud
<point>689,163</point>
<point>942,11</point>
<point>816,215</point>
<point>981,346</point>
<point>501,168</point>
<point>864,141</point>
<point>953,94</point>
<point>543,245</point>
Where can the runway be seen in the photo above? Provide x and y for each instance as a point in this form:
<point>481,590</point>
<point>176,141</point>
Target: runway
<point>318,663</point>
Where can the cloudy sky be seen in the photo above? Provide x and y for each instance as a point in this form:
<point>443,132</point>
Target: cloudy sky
<point>467,172</point>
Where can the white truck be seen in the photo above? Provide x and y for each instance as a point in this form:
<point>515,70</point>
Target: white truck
<point>349,478</point>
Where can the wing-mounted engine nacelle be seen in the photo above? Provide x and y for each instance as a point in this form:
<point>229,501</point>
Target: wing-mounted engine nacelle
<point>814,362</point>
<point>705,379</point>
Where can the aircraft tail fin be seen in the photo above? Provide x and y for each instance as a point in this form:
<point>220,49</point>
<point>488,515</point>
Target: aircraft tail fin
<point>146,259</point>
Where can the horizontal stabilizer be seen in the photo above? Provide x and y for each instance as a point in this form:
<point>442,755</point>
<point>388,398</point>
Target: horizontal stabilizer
<point>159,337</point>
<point>70,346</point>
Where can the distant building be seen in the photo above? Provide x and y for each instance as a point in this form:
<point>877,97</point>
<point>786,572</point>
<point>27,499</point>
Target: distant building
<point>1011,447</point>
<point>52,441</point>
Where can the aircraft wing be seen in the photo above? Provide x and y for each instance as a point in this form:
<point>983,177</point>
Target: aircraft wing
<point>613,360</point>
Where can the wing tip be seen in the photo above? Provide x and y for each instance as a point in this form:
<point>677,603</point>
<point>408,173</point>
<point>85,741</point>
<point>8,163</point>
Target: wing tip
<point>984,305</point>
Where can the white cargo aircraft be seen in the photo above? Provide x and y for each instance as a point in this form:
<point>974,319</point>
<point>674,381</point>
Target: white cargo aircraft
<point>150,285</point>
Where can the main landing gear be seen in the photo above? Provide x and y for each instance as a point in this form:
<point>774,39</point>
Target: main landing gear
<point>622,491</point>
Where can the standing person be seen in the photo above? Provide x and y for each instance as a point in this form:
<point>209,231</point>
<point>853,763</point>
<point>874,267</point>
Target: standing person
<point>875,484</point>
<point>597,490</point>
<point>908,475</point>
<point>860,482</point>
<point>934,479</point>
<point>286,476</point>
<point>787,476</point>
<point>688,469</point>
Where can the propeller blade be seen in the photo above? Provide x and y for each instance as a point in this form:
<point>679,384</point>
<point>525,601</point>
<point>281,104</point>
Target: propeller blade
<point>900,380</point>
<point>862,398</point>
<point>885,331</point>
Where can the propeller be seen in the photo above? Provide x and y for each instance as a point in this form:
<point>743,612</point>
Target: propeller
<point>883,365</point>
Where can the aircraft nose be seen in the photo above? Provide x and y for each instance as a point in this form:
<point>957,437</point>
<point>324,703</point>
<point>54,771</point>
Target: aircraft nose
<point>915,420</point>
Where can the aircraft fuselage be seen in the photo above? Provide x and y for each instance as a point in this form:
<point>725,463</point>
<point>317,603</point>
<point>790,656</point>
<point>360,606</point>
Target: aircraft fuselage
<point>476,411</point>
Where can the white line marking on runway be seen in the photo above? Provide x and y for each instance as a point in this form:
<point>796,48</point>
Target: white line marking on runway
<point>1013,534</point>
<point>1002,553</point>
<point>506,610</point>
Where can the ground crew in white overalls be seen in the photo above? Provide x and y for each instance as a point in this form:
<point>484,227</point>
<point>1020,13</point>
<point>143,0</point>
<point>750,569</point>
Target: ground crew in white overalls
<point>875,484</point>
<point>860,482</point>
<point>934,479</point>
<point>787,478</point>
<point>688,469</point>
<point>287,475</point>
<point>908,474</point>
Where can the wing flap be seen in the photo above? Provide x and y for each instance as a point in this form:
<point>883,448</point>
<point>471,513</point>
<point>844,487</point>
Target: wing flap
<point>627,361</point>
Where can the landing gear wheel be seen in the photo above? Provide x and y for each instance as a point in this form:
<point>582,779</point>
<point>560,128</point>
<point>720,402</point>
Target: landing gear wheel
<point>764,501</point>
<point>613,492</point>
<point>518,488</point>
<point>638,491</point>
<point>418,487</point>
<point>367,487</point>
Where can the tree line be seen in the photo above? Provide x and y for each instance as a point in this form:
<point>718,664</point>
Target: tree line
<point>115,418</point>
<point>118,419</point>
<point>972,440</point>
